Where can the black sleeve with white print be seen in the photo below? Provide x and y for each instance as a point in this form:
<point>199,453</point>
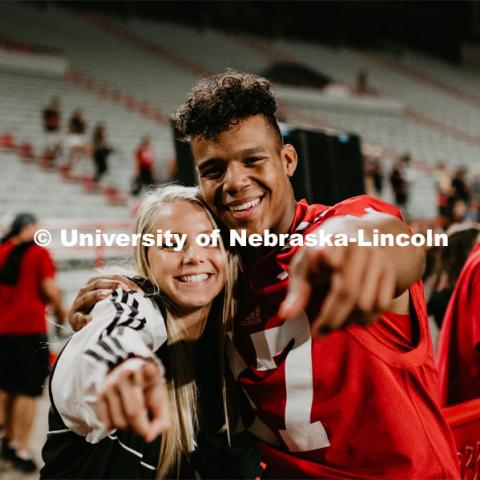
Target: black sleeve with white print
<point>124,325</point>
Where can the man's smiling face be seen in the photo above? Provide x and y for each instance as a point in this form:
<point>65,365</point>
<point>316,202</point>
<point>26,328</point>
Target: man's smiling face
<point>244,176</point>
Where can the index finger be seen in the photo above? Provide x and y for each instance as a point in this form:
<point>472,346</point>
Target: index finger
<point>307,270</point>
<point>299,289</point>
<point>158,408</point>
<point>133,405</point>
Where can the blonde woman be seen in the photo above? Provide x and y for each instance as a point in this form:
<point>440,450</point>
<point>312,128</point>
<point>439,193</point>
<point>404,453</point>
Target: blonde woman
<point>110,401</point>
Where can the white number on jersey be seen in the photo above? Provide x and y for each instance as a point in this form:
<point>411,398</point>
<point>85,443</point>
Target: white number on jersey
<point>300,435</point>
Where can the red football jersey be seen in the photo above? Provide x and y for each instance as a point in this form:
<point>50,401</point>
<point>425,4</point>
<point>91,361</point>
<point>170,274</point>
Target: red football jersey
<point>22,309</point>
<point>458,352</point>
<point>360,402</point>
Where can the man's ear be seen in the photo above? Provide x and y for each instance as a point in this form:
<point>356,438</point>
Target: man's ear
<point>290,159</point>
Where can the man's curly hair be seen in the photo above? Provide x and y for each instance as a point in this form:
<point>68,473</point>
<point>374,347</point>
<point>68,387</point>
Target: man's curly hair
<point>218,102</point>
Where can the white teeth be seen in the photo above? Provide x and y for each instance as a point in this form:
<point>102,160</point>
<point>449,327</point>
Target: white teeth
<point>245,206</point>
<point>201,277</point>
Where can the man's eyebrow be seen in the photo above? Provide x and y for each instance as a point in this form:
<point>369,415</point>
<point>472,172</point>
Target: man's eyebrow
<point>245,151</point>
<point>251,151</point>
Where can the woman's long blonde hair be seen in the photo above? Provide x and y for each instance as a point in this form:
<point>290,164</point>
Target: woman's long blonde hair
<point>182,390</point>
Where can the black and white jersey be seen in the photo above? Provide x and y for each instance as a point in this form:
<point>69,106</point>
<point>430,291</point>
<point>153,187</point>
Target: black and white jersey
<point>124,325</point>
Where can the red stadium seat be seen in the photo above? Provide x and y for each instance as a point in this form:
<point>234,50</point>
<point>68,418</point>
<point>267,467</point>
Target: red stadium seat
<point>112,195</point>
<point>89,183</point>
<point>464,419</point>
<point>26,151</point>
<point>6,141</point>
<point>65,171</point>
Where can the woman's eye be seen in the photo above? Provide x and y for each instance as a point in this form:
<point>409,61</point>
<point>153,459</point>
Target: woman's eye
<point>169,248</point>
<point>212,243</point>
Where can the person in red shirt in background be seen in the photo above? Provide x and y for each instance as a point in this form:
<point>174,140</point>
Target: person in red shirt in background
<point>144,166</point>
<point>27,285</point>
<point>459,345</point>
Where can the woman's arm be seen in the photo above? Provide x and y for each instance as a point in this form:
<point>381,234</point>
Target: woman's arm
<point>99,361</point>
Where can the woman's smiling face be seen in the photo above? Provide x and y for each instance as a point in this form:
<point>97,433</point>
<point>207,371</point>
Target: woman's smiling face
<point>193,276</point>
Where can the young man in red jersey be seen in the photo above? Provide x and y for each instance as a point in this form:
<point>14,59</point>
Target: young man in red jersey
<point>358,400</point>
<point>459,344</point>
